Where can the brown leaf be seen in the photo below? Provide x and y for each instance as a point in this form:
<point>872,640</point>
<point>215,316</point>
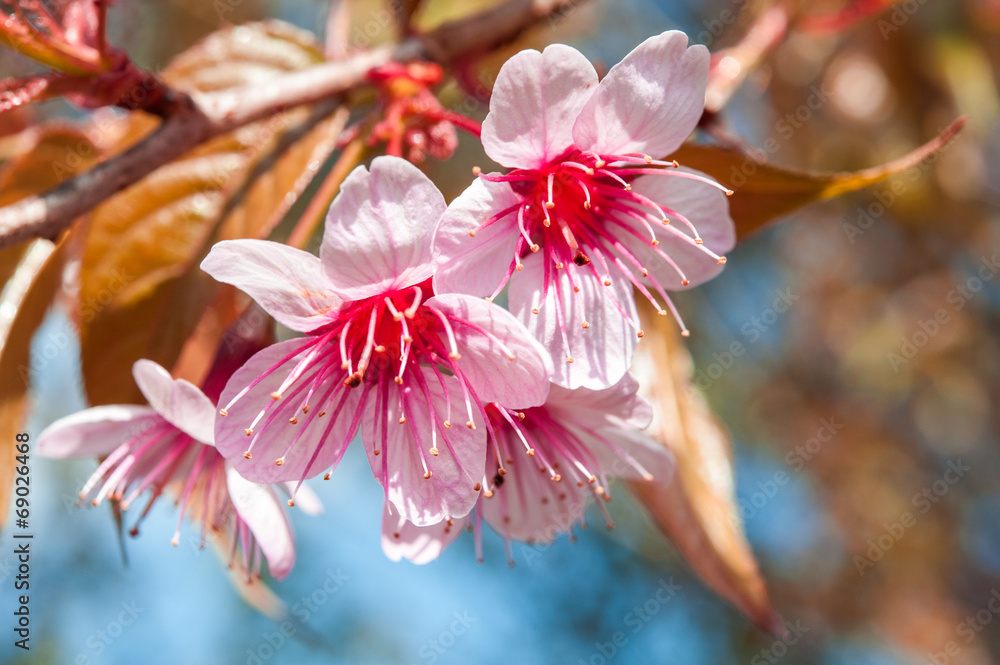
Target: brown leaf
<point>697,508</point>
<point>28,295</point>
<point>140,281</point>
<point>764,192</point>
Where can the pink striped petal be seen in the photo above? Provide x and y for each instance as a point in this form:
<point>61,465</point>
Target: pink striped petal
<point>379,229</point>
<point>97,431</point>
<point>535,100</point>
<point>650,102</point>
<point>260,507</point>
<point>418,544</point>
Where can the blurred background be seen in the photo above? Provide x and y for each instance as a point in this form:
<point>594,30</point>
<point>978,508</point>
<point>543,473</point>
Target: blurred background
<point>863,410</point>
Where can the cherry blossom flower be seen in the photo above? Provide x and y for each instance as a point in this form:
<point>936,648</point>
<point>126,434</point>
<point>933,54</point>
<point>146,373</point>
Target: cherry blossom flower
<point>589,210</point>
<point>548,461</point>
<point>168,446</point>
<point>411,367</point>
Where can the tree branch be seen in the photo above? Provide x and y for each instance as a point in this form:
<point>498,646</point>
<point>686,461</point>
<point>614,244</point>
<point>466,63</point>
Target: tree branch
<point>201,117</point>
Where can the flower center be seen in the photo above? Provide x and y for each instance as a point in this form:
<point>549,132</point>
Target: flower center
<point>581,211</point>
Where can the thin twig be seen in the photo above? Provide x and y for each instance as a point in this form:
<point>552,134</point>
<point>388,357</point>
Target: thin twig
<point>198,118</point>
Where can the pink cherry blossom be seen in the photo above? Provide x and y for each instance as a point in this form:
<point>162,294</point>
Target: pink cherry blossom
<point>589,210</point>
<point>384,353</point>
<point>168,446</point>
<point>548,460</point>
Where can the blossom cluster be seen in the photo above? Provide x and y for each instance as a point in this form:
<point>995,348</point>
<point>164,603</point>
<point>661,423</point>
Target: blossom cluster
<point>467,411</point>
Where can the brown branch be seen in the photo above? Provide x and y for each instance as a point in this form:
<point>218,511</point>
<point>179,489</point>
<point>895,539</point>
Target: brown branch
<point>202,117</point>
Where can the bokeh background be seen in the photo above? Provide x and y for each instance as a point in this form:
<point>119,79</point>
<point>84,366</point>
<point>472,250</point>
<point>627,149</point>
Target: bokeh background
<point>864,415</point>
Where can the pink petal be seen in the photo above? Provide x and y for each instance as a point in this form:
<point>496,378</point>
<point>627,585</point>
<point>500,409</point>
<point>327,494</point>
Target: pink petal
<point>96,431</point>
<point>618,406</point>
<point>321,438</point>
<point>455,470</point>
<point>476,265</point>
<point>650,102</point>
<point>486,361</point>
<point>419,544</point>
<point>287,282</point>
<point>704,206</point>
<point>652,456</point>
<point>305,499</point>
<point>379,229</point>
<point>535,100</point>
<point>530,506</point>
<point>180,402</point>
<point>260,507</point>
<point>602,352</point>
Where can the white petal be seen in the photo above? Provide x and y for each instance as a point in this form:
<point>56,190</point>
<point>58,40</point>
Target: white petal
<point>319,447</point>
<point>476,265</point>
<point>180,402</point>
<point>650,102</point>
<point>458,466</point>
<point>97,431</point>
<point>379,229</point>
<point>507,366</point>
<point>287,282</point>
<point>260,507</point>
<point>603,351</point>
<point>419,544</point>
<point>704,206</point>
<point>535,100</point>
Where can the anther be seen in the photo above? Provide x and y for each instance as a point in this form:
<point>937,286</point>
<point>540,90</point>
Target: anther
<point>434,451</point>
<point>380,349</point>
<point>402,420</point>
<point>560,265</point>
<point>581,259</point>
<point>519,267</point>
<point>586,205</point>
<point>399,380</point>
<point>722,260</point>
<point>353,381</point>
<point>279,461</point>
<point>550,205</point>
<point>530,452</point>
<point>476,170</point>
<point>534,248</point>
<point>470,424</point>
<point>248,432</point>
<point>685,333</point>
<point>685,282</point>
<point>327,475</point>
<point>293,421</point>
<point>607,282</point>
<point>569,360</point>
<point>477,487</point>
<point>427,474</point>
<point>223,413</point>
<point>275,395</point>
<point>534,310</point>
<point>640,334</point>
<point>586,324</point>
<point>520,415</point>
<point>305,409</point>
<point>455,356</point>
<point>247,455</point>
<point>291,503</point>
<point>699,241</point>
<point>447,424</point>
<point>321,414</point>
